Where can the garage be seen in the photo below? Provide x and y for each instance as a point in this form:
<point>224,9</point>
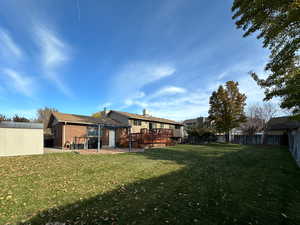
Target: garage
<point>21,138</point>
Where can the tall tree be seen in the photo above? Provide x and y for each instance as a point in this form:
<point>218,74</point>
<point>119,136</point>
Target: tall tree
<point>43,116</point>
<point>227,108</point>
<point>257,117</point>
<point>277,23</point>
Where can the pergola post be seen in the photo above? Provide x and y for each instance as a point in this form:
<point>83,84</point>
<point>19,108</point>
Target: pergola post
<point>99,127</point>
<point>116,129</point>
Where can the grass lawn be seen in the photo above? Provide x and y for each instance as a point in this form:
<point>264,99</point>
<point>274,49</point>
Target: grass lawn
<point>209,184</point>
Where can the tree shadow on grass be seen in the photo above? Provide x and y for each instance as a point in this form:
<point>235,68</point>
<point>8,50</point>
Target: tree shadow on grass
<point>255,185</point>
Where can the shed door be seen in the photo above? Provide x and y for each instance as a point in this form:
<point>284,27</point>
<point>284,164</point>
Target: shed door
<point>111,138</point>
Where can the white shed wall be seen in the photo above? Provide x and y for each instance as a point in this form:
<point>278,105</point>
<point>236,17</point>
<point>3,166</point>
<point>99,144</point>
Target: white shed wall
<point>21,141</point>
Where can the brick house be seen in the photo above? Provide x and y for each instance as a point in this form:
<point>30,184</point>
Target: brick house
<point>113,129</point>
<point>77,131</point>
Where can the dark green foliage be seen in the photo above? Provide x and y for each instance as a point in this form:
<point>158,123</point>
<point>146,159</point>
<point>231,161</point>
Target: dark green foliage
<point>227,107</point>
<point>202,134</point>
<point>277,23</point>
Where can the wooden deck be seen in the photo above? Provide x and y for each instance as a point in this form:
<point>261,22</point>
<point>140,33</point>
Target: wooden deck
<point>158,137</point>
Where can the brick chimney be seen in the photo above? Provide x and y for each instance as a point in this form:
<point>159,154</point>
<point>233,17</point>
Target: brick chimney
<point>105,111</point>
<point>146,112</point>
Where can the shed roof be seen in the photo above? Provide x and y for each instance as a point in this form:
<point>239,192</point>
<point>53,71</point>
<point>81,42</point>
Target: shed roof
<point>9,124</point>
<point>146,118</point>
<point>81,119</point>
<point>282,123</point>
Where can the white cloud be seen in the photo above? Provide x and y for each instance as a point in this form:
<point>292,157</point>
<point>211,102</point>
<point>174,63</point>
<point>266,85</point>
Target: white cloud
<point>28,113</point>
<point>183,103</point>
<point>8,45</point>
<point>143,73</point>
<point>161,71</point>
<point>131,78</point>
<point>19,82</point>
<point>173,102</point>
<point>54,54</point>
<point>222,75</point>
<point>169,90</point>
<point>105,105</point>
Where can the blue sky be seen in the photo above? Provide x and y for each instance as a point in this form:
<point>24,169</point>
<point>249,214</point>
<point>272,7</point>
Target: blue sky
<point>164,55</point>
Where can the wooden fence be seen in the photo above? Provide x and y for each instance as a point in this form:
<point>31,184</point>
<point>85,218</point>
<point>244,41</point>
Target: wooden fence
<point>260,139</point>
<point>294,145</point>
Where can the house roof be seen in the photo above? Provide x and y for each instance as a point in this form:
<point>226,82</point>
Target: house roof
<point>80,119</point>
<point>146,118</point>
<point>282,123</point>
<point>190,121</point>
<point>196,120</point>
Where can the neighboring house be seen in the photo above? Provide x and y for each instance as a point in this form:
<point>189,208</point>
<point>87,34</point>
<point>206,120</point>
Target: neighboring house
<point>202,122</point>
<point>287,128</point>
<point>281,125</point>
<point>20,138</point>
<point>146,121</point>
<point>77,131</point>
<point>197,122</point>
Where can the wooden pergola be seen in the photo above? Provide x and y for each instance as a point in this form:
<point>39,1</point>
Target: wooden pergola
<point>114,127</point>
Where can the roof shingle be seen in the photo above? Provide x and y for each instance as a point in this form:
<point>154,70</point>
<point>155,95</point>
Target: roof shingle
<point>72,118</point>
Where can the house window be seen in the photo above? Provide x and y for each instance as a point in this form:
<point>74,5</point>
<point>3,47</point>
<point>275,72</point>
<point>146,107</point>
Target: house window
<point>161,125</point>
<point>177,126</point>
<point>92,131</point>
<point>137,122</point>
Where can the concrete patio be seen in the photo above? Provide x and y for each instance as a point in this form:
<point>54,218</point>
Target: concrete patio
<point>94,151</point>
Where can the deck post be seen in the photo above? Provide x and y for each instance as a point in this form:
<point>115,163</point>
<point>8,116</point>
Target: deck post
<point>98,138</point>
<point>129,139</point>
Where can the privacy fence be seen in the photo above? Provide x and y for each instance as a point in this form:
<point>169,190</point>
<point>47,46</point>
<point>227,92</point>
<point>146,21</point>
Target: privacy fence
<point>294,145</point>
<point>260,139</point>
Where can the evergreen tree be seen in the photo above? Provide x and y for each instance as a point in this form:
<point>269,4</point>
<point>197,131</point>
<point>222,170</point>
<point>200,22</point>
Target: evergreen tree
<point>227,108</point>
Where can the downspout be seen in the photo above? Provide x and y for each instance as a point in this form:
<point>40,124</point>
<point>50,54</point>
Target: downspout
<point>64,135</point>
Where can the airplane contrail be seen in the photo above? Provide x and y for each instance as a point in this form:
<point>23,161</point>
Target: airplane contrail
<point>78,11</point>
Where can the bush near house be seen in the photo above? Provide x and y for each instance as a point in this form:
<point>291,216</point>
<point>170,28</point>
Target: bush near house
<point>198,135</point>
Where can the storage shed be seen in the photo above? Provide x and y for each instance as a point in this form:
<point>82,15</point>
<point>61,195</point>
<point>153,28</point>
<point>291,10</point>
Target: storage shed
<point>21,138</point>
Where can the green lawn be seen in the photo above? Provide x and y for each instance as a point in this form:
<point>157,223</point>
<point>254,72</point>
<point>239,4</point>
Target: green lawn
<point>209,184</point>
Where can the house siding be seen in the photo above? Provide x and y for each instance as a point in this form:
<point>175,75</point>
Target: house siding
<point>144,124</point>
<point>72,131</point>
<point>137,128</point>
